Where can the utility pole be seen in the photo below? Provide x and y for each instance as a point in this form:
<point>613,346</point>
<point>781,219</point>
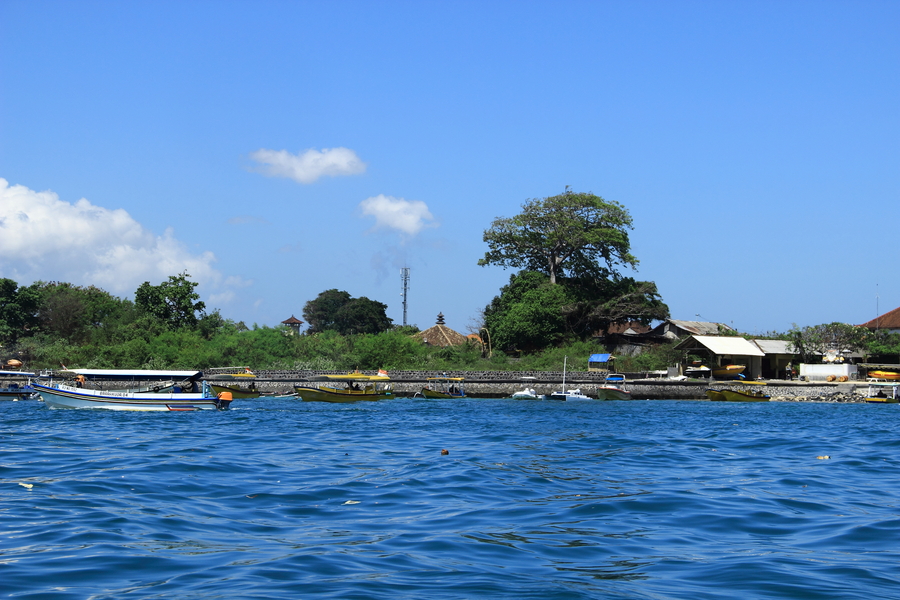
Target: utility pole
<point>404,280</point>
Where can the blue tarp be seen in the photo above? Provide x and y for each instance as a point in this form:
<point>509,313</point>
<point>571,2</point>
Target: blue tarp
<point>598,358</point>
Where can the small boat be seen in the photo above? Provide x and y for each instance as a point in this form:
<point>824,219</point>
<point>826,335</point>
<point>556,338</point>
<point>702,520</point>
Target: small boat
<point>356,387</point>
<point>715,395</point>
<point>613,388</point>
<point>444,388</point>
<point>16,390</point>
<point>744,395</point>
<point>728,371</point>
<point>526,394</point>
<point>236,392</point>
<point>890,375</point>
<point>883,393</point>
<point>574,394</point>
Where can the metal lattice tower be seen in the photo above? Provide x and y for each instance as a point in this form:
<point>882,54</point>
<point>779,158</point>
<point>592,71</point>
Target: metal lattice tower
<point>404,280</point>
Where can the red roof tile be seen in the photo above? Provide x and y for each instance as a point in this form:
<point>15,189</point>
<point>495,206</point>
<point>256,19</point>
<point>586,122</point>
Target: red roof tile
<point>889,320</point>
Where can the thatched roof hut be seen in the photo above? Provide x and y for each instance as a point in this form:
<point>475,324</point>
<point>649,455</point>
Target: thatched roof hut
<point>440,335</point>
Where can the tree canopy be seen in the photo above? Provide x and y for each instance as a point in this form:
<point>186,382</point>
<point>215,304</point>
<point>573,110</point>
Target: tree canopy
<point>337,310</point>
<point>575,234</point>
<point>174,301</point>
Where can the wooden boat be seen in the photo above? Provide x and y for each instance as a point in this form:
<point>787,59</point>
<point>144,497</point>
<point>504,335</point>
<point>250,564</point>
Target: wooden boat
<point>613,388</point>
<point>236,392</point>
<point>355,387</point>
<point>715,395</point>
<point>744,395</point>
<point>130,390</point>
<point>883,393</point>
<point>61,395</point>
<point>890,375</point>
<point>728,371</point>
<point>444,388</point>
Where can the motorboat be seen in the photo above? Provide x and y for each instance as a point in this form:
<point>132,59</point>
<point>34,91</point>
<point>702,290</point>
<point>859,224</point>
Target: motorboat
<point>351,387</point>
<point>613,388</point>
<point>123,389</point>
<point>526,394</point>
<point>883,393</point>
<point>444,388</point>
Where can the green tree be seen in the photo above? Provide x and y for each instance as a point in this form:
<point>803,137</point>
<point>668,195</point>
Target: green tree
<point>362,315</point>
<point>817,340</point>
<point>320,313</point>
<point>174,302</point>
<point>578,234</point>
<point>528,313</point>
<point>18,310</point>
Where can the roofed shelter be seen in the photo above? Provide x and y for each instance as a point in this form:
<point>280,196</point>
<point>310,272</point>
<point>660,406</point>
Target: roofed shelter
<point>294,323</point>
<point>889,321</point>
<point>440,335</point>
<point>727,351</point>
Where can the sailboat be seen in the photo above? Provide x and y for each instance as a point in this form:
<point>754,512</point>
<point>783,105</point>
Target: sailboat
<point>567,394</point>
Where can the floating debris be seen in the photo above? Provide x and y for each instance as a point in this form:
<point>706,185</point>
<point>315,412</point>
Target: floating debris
<point>825,457</point>
<point>26,485</point>
<point>445,452</point>
<point>351,502</point>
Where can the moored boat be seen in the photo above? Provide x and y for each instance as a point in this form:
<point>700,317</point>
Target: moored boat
<point>715,395</point>
<point>574,394</point>
<point>613,388</point>
<point>16,390</point>
<point>883,393</point>
<point>444,388</point>
<point>356,387</point>
<point>743,395</point>
<point>526,394</point>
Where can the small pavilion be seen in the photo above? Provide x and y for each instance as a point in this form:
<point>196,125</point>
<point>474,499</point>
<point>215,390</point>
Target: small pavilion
<point>294,323</point>
<point>440,335</point>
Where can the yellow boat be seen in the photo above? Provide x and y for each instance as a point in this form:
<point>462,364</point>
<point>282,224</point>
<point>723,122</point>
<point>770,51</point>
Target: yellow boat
<point>746,394</point>
<point>236,392</point>
<point>356,388</point>
<point>715,395</point>
<point>444,387</point>
<point>884,375</point>
<point>883,393</point>
<point>728,371</point>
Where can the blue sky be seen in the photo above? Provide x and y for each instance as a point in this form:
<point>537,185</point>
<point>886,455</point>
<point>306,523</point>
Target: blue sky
<point>278,149</point>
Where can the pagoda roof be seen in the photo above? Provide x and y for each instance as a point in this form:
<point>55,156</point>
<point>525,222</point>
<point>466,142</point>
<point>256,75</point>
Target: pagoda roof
<point>292,321</point>
<point>441,335</point>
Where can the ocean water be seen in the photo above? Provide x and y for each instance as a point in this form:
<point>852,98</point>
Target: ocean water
<point>283,499</point>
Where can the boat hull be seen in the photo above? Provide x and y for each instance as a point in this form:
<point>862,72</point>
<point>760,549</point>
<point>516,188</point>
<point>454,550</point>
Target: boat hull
<point>892,375</point>
<point>728,372</point>
<point>612,393</point>
<point>877,400</point>
<point>738,396</point>
<point>715,395</point>
<point>235,392</point>
<point>326,394</point>
<point>64,396</point>
<point>438,395</point>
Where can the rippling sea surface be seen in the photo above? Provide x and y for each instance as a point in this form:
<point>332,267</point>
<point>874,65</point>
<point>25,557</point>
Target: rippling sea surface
<point>283,499</point>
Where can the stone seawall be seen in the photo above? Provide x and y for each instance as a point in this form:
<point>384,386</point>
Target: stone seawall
<point>502,384</point>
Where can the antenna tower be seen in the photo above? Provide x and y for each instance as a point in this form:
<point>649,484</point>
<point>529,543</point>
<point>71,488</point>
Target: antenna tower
<point>404,280</point>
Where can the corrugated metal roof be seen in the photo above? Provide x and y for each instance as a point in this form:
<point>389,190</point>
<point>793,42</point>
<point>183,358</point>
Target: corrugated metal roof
<point>701,327</point>
<point>774,346</point>
<point>724,345</point>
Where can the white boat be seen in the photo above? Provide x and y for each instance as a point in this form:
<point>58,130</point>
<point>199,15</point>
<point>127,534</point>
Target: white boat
<point>526,394</point>
<point>16,390</point>
<point>165,398</point>
<point>613,388</point>
<point>567,394</point>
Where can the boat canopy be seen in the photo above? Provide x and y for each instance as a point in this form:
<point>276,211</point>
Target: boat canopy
<point>350,377</point>
<point>16,373</point>
<point>134,374</point>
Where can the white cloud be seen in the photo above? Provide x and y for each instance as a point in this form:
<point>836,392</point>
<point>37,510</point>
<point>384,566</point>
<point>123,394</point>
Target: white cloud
<point>408,216</point>
<point>310,165</point>
<point>45,238</point>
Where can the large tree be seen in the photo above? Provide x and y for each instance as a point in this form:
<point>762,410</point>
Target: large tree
<point>174,302</point>
<point>337,310</point>
<point>575,234</point>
